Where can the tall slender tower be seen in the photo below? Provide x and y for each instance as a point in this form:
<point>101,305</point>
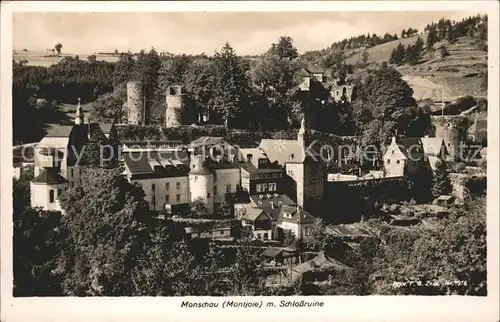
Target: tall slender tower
<point>79,117</point>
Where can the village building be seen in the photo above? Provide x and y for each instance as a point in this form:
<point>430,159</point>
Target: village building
<point>58,160</point>
<point>304,166</point>
<point>269,215</point>
<point>406,155</point>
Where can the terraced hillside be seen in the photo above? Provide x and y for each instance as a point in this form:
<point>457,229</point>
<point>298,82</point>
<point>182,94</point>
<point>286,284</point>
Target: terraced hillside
<point>460,74</point>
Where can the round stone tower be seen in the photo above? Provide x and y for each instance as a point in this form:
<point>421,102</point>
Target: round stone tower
<point>175,104</point>
<point>453,130</point>
<point>135,103</point>
<point>201,182</point>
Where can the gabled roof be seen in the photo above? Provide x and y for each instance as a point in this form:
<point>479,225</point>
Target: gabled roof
<point>285,151</point>
<point>299,215</point>
<point>314,69</point>
<point>255,152</point>
<point>321,262</point>
<point>56,130</point>
<point>106,127</point>
<point>265,202</point>
<point>411,148</point>
<point>49,176</point>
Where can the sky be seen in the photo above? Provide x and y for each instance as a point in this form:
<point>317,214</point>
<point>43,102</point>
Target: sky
<point>249,33</point>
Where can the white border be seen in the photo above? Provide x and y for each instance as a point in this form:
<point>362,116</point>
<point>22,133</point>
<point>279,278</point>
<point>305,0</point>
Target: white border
<point>344,307</point>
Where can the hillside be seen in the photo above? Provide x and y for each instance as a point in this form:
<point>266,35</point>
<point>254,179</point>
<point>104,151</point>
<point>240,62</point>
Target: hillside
<point>39,58</point>
<point>460,74</point>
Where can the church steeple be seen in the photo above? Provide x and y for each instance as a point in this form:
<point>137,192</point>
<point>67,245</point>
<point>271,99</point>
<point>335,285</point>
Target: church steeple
<point>302,135</point>
<point>79,118</point>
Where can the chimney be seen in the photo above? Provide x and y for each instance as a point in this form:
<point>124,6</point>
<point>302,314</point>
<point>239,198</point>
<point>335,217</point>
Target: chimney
<point>393,139</point>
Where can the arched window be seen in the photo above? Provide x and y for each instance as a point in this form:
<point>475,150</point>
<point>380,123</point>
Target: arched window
<point>51,195</point>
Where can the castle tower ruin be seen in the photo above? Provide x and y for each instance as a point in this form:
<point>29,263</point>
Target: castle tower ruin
<point>175,104</point>
<point>453,130</point>
<point>135,103</point>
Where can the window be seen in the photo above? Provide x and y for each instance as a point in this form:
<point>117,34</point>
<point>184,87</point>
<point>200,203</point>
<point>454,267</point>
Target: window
<point>208,195</point>
<point>51,196</point>
<point>222,232</point>
<point>72,174</point>
<point>153,187</point>
<point>397,161</point>
<point>266,236</point>
<point>272,186</point>
<point>178,198</point>
<point>167,186</point>
<point>178,185</point>
<point>228,188</point>
<point>215,190</point>
<point>195,178</point>
<point>259,236</point>
<point>237,187</point>
<point>261,187</point>
<point>59,192</point>
<point>388,161</point>
<point>167,199</point>
<point>392,151</point>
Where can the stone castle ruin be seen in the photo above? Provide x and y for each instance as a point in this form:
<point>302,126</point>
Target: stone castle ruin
<point>453,130</point>
<point>140,113</point>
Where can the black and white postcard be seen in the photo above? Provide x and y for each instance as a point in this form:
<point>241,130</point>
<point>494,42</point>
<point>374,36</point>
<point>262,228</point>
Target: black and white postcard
<point>213,160</point>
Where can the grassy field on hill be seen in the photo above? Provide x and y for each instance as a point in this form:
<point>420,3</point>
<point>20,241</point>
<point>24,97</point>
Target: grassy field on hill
<point>460,74</point>
<point>37,58</point>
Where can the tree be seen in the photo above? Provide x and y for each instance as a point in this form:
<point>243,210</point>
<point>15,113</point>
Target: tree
<point>123,69</point>
<point>441,184</point>
<point>109,107</point>
<point>199,208</point>
<point>318,234</point>
<point>108,223</point>
<point>365,56</point>
<point>443,52</point>
<point>37,242</point>
<point>403,34</point>
<point>230,87</point>
<point>284,48</point>
<point>289,238</point>
<point>455,250</point>
<point>385,105</point>
<point>431,38</point>
<point>92,58</point>
<point>58,48</point>
<point>276,80</point>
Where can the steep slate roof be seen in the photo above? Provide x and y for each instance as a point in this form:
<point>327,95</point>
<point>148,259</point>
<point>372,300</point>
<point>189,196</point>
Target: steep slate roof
<point>106,127</point>
<point>285,151</point>
<point>314,69</point>
<point>49,176</point>
<point>56,130</point>
<point>255,152</point>
<point>297,215</point>
<point>432,146</point>
<point>411,146</point>
<point>321,262</point>
<point>175,162</point>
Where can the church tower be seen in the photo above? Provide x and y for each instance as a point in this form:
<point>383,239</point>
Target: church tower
<point>79,117</point>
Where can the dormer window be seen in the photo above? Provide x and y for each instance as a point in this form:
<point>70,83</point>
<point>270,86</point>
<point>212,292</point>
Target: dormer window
<point>287,215</point>
<point>291,156</point>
